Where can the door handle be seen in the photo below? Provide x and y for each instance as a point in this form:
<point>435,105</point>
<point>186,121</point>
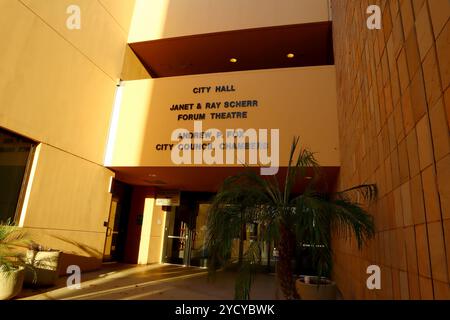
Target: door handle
<point>177,237</point>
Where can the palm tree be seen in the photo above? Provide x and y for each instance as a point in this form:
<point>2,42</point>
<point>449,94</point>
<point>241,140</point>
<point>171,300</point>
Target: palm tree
<point>12,243</point>
<point>285,218</point>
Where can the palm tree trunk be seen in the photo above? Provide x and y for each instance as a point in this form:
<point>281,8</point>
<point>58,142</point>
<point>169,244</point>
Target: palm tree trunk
<point>285,274</point>
<point>241,245</point>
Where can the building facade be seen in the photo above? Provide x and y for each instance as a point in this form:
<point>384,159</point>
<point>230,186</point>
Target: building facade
<point>95,94</point>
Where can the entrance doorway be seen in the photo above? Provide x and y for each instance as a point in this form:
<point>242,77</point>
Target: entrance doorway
<point>186,231</point>
<point>112,231</point>
<point>116,226</point>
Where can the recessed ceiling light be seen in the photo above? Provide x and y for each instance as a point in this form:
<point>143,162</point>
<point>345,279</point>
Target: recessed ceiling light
<point>233,60</point>
<point>309,178</point>
<point>290,55</point>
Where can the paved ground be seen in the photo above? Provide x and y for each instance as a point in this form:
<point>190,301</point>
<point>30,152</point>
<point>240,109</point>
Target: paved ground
<point>159,282</point>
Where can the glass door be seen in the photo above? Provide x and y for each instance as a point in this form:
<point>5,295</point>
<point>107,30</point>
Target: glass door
<point>177,235</point>
<point>186,231</point>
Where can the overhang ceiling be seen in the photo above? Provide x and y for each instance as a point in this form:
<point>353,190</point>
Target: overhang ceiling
<point>204,179</point>
<point>261,48</point>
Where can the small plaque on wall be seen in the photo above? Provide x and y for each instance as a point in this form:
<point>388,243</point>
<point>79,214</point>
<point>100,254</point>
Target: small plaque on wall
<point>168,198</point>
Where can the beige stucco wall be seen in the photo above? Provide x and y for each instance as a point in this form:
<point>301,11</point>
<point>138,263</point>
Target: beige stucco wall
<point>133,69</point>
<point>157,235</point>
<point>297,101</point>
<point>57,87</point>
<point>69,198</point>
<point>152,234</point>
<point>158,19</point>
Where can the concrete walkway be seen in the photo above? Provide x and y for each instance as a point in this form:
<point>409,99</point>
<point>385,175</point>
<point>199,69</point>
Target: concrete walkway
<point>153,282</point>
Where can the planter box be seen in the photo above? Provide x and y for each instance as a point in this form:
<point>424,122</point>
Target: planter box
<point>11,283</point>
<point>311,291</point>
<point>44,271</point>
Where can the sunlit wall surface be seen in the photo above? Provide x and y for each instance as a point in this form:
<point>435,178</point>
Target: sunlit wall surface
<point>57,88</point>
<point>393,107</point>
<point>158,19</point>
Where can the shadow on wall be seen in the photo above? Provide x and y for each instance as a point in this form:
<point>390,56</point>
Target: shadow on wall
<point>81,255</point>
<point>92,260</point>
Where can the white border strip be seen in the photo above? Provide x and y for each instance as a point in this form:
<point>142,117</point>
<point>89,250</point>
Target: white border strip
<point>26,199</point>
<point>114,125</point>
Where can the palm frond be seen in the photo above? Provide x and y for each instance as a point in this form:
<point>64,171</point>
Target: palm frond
<point>341,215</point>
<point>242,199</point>
<point>369,192</point>
<point>349,218</point>
<point>305,159</point>
<point>12,240</point>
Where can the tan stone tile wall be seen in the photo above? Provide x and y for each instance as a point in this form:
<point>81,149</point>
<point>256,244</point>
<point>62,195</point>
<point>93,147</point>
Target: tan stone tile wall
<point>394,117</point>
